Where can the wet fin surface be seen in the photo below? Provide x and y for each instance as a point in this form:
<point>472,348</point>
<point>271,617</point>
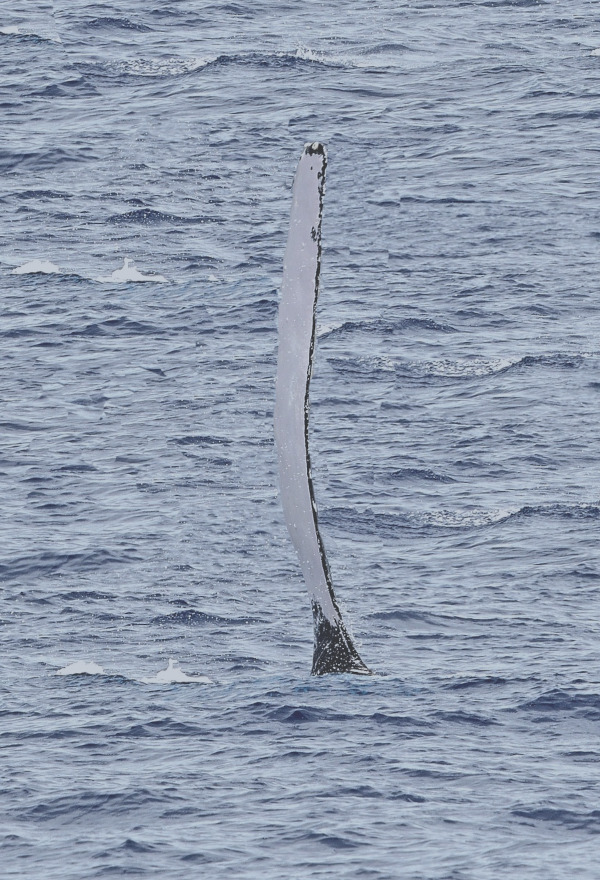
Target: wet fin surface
<point>334,650</point>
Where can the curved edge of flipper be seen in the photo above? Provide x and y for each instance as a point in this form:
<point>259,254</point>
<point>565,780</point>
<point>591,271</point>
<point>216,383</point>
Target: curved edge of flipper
<point>334,650</point>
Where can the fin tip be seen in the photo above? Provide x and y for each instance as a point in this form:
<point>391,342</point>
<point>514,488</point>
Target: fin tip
<point>315,149</point>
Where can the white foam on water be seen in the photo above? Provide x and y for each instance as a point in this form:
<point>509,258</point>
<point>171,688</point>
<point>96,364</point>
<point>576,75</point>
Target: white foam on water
<point>10,29</point>
<point>173,674</point>
<point>325,329</point>
<point>358,60</point>
<point>332,59</point>
<point>595,52</point>
<point>305,53</point>
<point>129,273</point>
<point>81,667</point>
<point>37,267</point>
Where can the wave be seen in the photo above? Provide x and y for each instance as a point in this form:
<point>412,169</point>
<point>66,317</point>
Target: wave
<point>335,842</point>
<point>382,48</point>
<point>165,68</point>
<point>21,34</point>
<point>200,440</point>
<point>516,3</point>
<point>556,703</point>
<point>560,360</point>
<point>86,595</point>
<point>568,818</point>
<point>149,217</point>
<point>242,663</point>
<point>80,805</point>
<point>426,474</point>
<point>21,426</point>
<point>192,617</point>
<point>39,194</point>
<point>163,727</point>
<point>390,525</point>
<point>469,718</point>
<point>43,159</point>
<point>47,562</point>
<point>469,683</point>
<point>305,715</point>
<point>580,511</point>
<point>384,326</point>
<point>393,201</point>
<point>287,714</point>
<point>473,368</point>
<point>145,68</point>
<point>367,791</point>
<point>114,23</point>
<point>117,327</point>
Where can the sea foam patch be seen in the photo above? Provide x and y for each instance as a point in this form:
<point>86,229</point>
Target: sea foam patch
<point>129,273</point>
<point>173,674</point>
<point>81,667</point>
<point>37,267</point>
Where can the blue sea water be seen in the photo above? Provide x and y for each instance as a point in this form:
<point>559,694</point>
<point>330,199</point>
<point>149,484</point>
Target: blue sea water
<point>454,439</point>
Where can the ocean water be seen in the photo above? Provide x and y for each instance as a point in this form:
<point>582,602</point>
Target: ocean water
<point>157,716</point>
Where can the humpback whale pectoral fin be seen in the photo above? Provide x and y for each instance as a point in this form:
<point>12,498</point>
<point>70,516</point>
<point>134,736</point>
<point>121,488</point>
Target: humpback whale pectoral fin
<point>334,649</point>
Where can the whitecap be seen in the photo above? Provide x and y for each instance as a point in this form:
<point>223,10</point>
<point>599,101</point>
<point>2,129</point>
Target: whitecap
<point>173,674</point>
<point>326,329</point>
<point>36,267</point>
<point>10,29</point>
<point>305,53</point>
<point>129,273</point>
<point>81,667</point>
<point>595,52</point>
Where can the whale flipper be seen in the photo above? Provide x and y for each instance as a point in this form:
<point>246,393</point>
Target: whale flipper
<point>334,650</point>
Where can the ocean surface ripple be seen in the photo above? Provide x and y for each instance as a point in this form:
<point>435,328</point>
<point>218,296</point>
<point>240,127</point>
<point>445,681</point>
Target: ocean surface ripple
<point>157,715</point>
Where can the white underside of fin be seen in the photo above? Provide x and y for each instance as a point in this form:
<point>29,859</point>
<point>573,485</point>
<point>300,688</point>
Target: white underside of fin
<point>299,291</point>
